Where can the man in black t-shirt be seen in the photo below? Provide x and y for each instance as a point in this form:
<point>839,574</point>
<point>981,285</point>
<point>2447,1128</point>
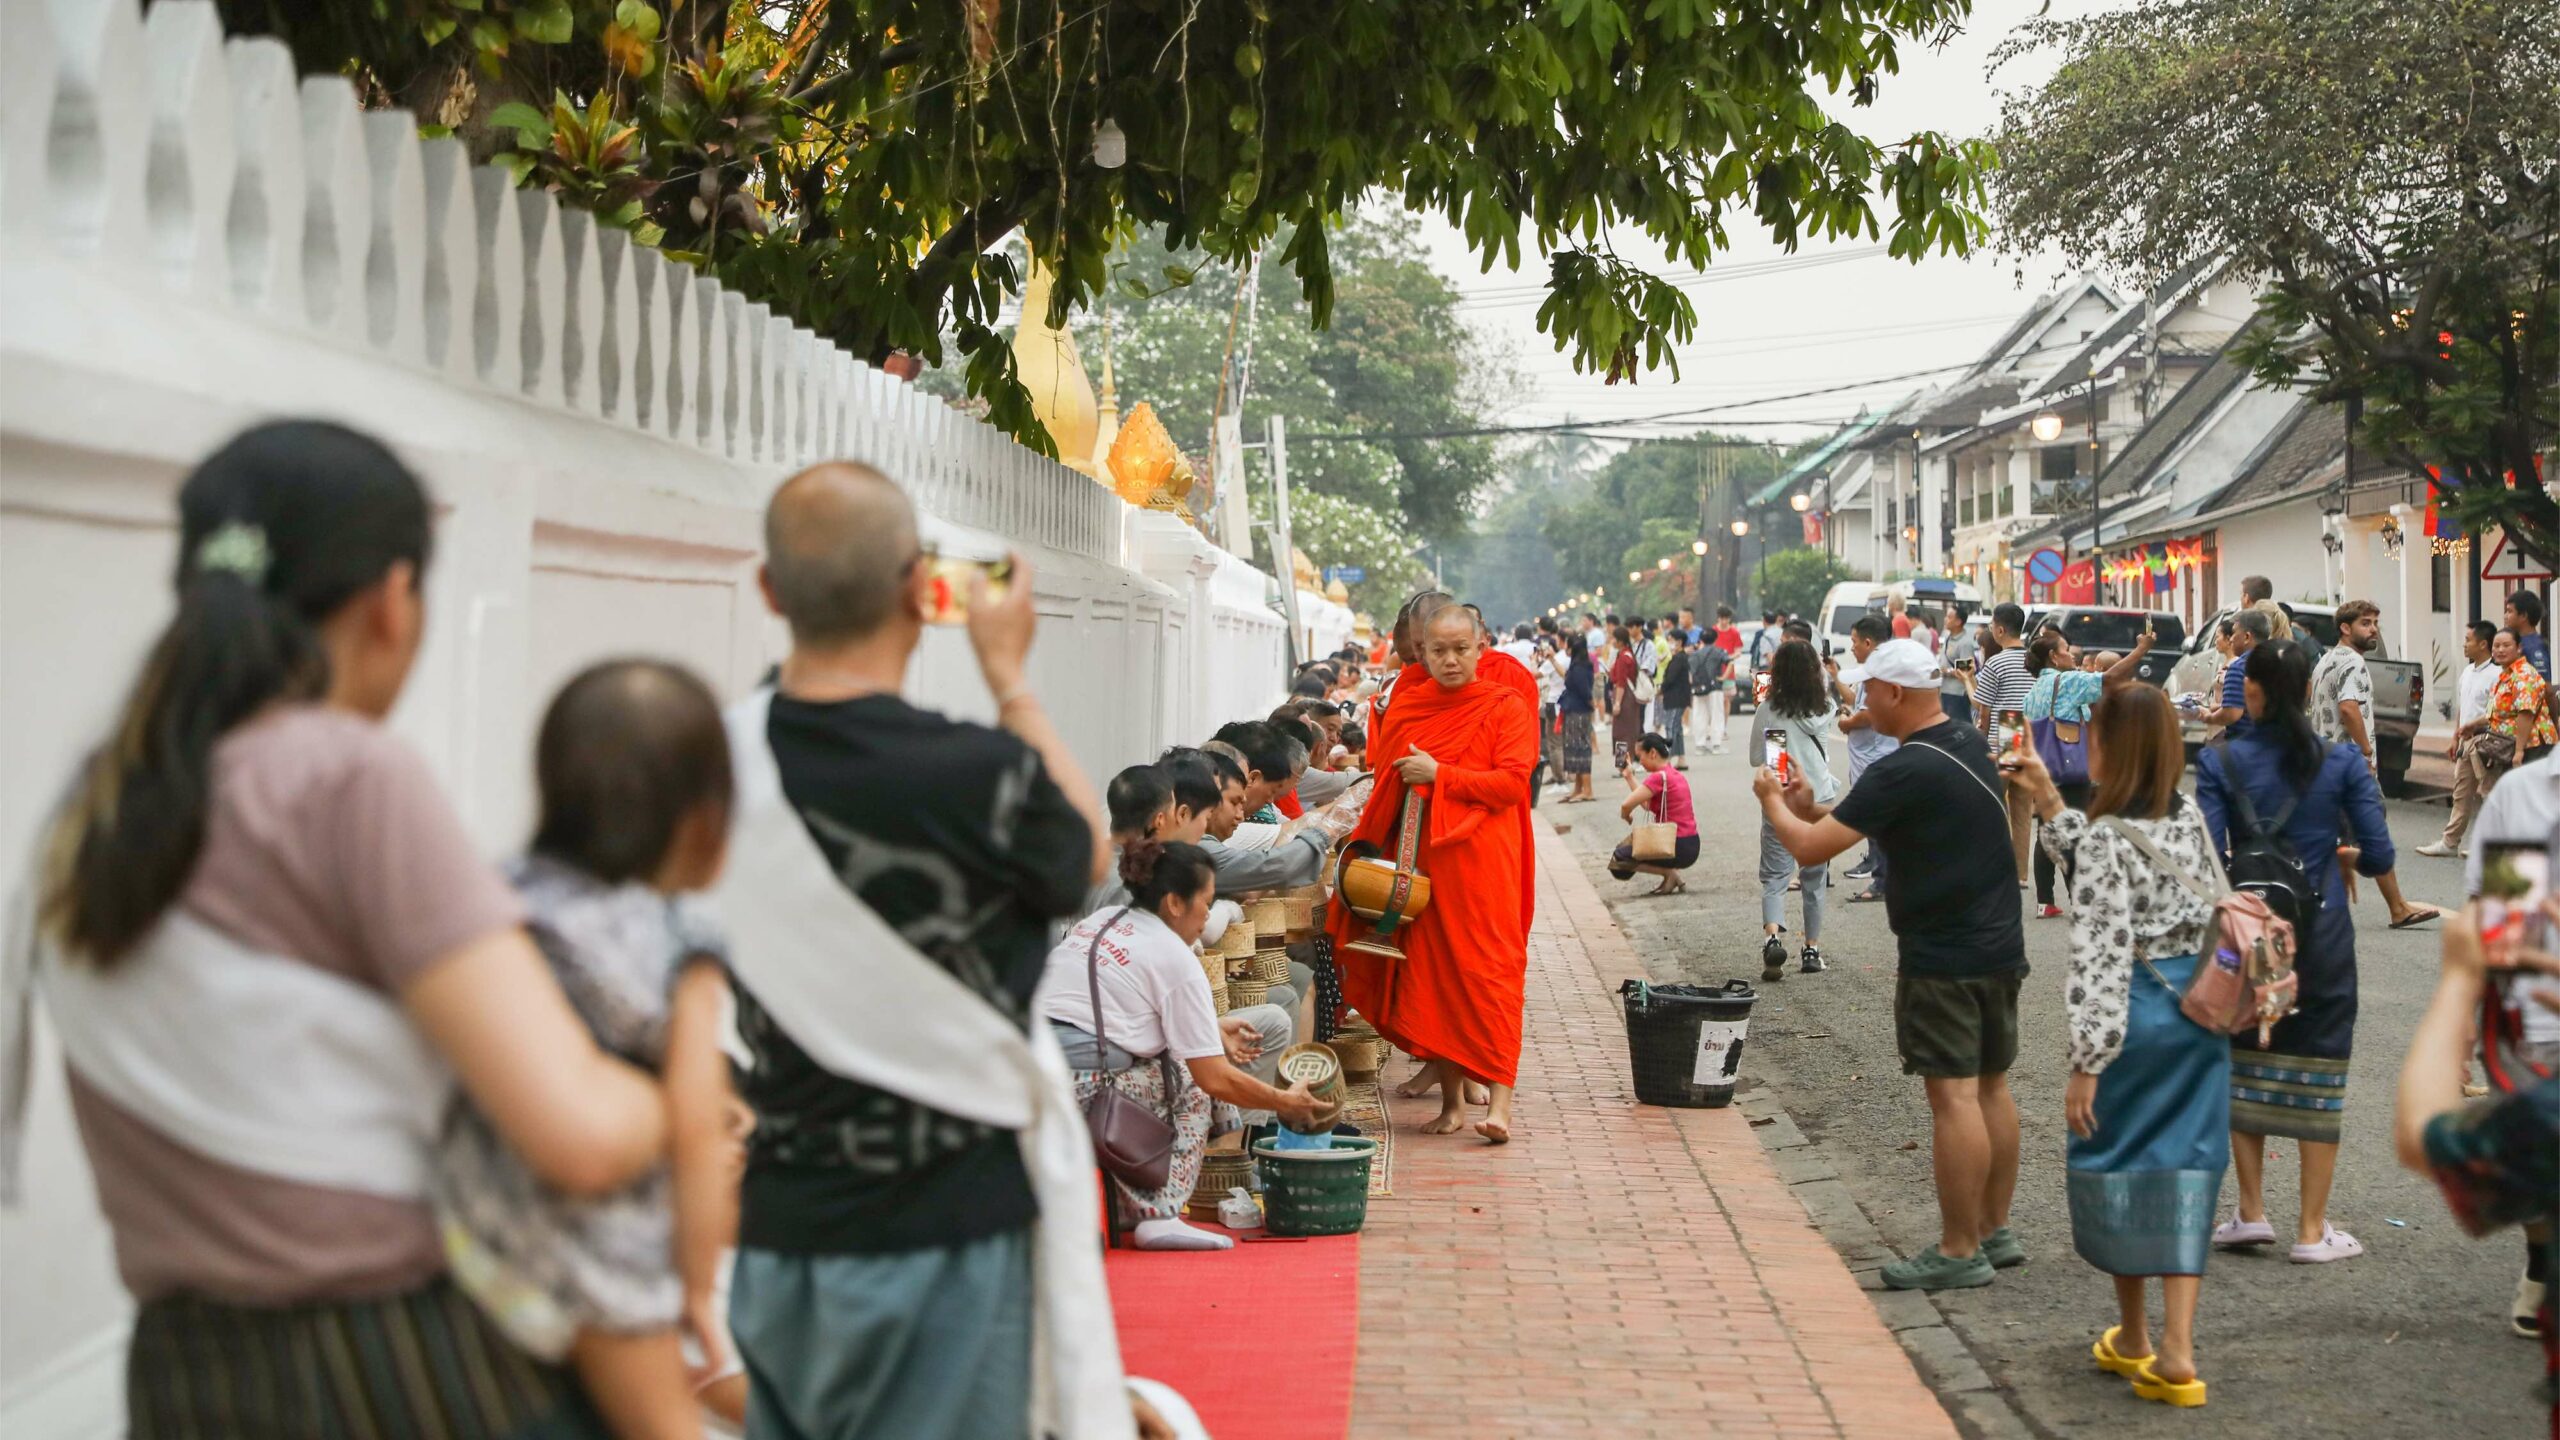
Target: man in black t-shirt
<point>884,1278</point>
<point>1675,694</point>
<point>1951,896</point>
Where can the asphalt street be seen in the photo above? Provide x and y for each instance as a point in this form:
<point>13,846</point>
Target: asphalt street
<point>2409,1339</point>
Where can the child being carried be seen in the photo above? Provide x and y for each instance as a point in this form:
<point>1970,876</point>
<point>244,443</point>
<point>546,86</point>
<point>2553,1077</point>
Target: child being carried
<point>633,768</point>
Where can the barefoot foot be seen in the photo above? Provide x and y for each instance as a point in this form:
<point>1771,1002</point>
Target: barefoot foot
<point>1477,1094</point>
<point>1447,1122</point>
<point>1424,1081</point>
<point>1495,1132</point>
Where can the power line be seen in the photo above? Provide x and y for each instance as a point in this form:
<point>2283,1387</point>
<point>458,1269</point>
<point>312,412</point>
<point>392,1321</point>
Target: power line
<point>1746,270</point>
<point>1579,426</point>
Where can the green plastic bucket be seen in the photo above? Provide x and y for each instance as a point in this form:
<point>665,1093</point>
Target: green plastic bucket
<point>1315,1192</point>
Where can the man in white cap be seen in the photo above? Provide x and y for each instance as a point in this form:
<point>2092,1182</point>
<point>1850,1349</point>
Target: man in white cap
<point>1934,805</point>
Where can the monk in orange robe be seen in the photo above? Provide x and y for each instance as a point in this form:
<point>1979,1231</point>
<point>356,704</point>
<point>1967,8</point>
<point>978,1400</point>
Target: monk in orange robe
<point>1463,734</point>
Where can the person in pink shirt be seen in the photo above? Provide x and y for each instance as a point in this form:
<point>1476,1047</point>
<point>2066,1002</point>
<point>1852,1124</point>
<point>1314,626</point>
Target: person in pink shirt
<point>1664,792</point>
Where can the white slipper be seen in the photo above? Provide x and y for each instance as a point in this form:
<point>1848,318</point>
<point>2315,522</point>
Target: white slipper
<point>2334,1244</point>
<point>2238,1234</point>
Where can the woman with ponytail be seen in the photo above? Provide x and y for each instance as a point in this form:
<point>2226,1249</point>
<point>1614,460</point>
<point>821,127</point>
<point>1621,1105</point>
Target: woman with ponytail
<point>252,859</point>
<point>1137,960</point>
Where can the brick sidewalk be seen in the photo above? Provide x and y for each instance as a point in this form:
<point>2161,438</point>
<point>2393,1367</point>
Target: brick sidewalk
<point>1617,1269</point>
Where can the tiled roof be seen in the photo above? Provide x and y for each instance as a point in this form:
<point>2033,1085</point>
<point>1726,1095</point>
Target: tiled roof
<point>1816,460</point>
<point>2204,392</point>
<point>2308,440</point>
<point>2126,322</point>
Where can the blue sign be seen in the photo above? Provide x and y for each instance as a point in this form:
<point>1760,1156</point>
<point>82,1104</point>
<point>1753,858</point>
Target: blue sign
<point>2045,566</point>
<point>1347,574</point>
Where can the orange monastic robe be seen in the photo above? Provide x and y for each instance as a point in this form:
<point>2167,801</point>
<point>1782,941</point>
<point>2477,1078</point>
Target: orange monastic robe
<point>1457,994</point>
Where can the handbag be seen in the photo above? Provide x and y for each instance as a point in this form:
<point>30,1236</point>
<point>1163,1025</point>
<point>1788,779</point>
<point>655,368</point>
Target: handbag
<point>1655,841</point>
<point>2496,749</point>
<point>2248,979</point>
<point>1133,1144</point>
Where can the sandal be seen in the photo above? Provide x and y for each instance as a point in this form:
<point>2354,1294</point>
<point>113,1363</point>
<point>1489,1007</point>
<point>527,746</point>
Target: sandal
<point>2185,1394</point>
<point>2109,1358</point>
<point>1866,897</point>
<point>2418,915</point>
<point>1671,885</point>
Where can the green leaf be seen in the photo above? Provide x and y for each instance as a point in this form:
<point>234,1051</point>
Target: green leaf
<point>530,124</point>
<point>550,23</point>
<point>436,29</point>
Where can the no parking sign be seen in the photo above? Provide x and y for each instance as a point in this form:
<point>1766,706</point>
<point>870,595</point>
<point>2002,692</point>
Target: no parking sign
<point>2044,567</point>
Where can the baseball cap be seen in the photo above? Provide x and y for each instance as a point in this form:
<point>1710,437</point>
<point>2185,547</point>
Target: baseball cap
<point>1907,663</point>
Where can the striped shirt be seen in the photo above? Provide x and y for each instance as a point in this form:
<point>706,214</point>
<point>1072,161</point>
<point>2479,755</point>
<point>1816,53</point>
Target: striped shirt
<point>2000,685</point>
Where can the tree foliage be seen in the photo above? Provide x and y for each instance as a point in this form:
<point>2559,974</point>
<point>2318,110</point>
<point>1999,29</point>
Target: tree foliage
<point>1644,504</point>
<point>2390,169</point>
<point>1793,582</point>
<point>1398,359</point>
<point>854,162</point>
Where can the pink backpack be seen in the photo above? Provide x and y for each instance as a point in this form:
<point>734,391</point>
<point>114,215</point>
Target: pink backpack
<point>2246,977</point>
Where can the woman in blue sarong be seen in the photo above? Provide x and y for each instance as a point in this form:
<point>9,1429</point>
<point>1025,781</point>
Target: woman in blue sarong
<point>2149,1100</point>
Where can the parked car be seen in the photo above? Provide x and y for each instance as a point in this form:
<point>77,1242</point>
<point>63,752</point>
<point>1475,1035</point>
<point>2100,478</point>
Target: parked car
<point>2093,628</point>
<point>2399,686</point>
<point>1741,672</point>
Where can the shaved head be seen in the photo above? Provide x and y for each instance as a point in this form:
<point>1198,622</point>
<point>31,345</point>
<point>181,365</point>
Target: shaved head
<point>839,543</point>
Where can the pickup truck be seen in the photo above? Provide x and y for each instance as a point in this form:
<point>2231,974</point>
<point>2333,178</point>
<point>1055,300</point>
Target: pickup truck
<point>2093,629</point>
<point>2399,687</point>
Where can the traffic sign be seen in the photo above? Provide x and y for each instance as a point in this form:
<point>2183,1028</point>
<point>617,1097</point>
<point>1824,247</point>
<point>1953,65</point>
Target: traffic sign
<point>2506,560</point>
<point>2045,566</point>
<point>1347,574</point>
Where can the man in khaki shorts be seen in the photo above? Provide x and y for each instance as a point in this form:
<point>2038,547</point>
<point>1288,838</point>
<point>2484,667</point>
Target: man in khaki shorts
<point>1951,896</point>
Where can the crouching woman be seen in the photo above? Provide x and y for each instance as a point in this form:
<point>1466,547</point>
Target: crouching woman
<point>1130,1004</point>
<point>2149,1099</point>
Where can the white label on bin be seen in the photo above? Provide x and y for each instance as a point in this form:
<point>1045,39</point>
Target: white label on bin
<point>1719,1051</point>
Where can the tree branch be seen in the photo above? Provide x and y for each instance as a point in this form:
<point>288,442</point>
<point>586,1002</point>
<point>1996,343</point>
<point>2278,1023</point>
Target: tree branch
<point>956,249</point>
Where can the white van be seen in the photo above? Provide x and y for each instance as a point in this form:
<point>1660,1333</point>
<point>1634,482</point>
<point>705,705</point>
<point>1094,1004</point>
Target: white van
<point>1926,598</point>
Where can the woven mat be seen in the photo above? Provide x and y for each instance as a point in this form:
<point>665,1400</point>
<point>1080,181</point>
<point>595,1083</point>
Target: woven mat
<point>1366,1107</point>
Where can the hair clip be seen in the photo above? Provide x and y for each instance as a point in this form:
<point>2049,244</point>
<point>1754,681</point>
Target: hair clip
<point>235,548</point>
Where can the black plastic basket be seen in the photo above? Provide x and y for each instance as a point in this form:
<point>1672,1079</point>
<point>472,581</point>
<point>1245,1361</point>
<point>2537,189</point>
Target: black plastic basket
<point>1666,1035</point>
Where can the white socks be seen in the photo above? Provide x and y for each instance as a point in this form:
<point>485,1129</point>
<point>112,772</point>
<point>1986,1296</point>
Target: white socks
<point>1172,1234</point>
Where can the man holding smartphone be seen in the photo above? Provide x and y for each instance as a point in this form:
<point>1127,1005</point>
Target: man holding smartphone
<point>1934,804</point>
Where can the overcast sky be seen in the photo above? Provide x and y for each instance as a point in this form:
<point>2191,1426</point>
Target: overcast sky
<point>1828,314</point>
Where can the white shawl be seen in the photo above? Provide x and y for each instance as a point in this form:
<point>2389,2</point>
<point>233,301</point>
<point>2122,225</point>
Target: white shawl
<point>852,993</point>
<point>307,1076</point>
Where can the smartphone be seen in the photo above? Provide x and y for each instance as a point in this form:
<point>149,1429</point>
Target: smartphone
<point>1774,744</point>
<point>948,601</point>
<point>2515,881</point>
<point>1760,687</point>
<point>2015,723</point>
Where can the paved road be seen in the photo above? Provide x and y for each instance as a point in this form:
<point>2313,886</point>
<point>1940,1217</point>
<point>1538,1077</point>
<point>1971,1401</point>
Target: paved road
<point>2409,1339</point>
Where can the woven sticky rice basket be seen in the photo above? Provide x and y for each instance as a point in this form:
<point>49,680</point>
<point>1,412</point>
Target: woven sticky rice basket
<point>1361,1048</point>
<point>1270,917</point>
<point>1247,991</point>
<point>1220,1172</point>
<point>1298,908</point>
<point>1271,967</point>
<point>1238,940</point>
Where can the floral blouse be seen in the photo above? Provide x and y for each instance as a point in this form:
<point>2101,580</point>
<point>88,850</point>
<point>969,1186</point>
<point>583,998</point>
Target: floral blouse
<point>2516,709</point>
<point>2122,904</point>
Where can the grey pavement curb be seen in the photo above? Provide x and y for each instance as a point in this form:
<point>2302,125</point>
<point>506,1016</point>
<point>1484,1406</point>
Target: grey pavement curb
<point>1979,1406</point>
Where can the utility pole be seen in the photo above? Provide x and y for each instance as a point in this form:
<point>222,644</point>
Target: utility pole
<point>1283,553</point>
<point>2097,494</point>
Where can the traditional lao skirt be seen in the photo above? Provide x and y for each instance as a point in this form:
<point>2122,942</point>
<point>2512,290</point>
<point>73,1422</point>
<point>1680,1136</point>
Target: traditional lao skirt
<point>2143,1188</point>
<point>2295,1086</point>
<point>1577,743</point>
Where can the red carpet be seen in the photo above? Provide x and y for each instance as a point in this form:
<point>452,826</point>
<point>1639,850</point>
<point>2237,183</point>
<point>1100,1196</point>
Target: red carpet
<point>1260,1339</point>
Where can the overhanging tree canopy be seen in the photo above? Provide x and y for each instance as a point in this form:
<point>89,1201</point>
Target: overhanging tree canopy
<point>2390,169</point>
<point>854,161</point>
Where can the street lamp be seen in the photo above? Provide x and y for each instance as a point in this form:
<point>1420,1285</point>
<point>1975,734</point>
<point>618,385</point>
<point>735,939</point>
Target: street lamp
<point>1741,528</point>
<point>1699,547</point>
<point>1799,503</point>
<point>2047,426</point>
<point>1634,575</point>
<point>1662,564</point>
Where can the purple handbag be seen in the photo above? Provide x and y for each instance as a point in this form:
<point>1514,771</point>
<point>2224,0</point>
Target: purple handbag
<point>2065,757</point>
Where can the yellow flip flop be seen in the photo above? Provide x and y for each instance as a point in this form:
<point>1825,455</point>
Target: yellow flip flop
<point>2108,1358</point>
<point>2185,1394</point>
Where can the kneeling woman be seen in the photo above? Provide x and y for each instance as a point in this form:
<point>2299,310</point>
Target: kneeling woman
<point>1136,962</point>
<point>1664,792</point>
<point>2149,1100</point>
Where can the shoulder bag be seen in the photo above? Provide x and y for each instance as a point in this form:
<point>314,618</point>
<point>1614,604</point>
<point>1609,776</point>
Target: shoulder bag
<point>2248,979</point>
<point>1133,1144</point>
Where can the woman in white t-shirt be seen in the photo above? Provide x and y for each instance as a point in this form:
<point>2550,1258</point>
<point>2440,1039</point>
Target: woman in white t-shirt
<point>1137,960</point>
